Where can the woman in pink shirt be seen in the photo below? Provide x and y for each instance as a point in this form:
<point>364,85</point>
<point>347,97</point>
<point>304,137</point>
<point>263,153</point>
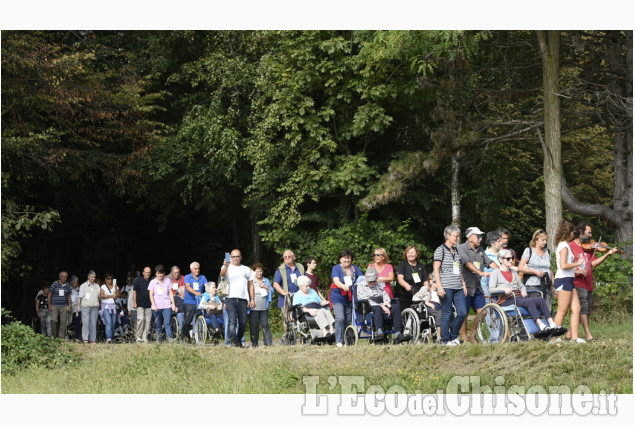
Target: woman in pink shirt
<point>162,299</point>
<point>385,272</point>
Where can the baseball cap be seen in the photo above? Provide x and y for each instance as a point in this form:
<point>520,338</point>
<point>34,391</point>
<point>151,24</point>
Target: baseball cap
<point>473,231</point>
<point>371,274</point>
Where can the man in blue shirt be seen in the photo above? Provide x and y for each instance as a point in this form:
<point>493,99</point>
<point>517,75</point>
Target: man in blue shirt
<point>194,287</point>
<point>284,282</point>
<point>59,300</point>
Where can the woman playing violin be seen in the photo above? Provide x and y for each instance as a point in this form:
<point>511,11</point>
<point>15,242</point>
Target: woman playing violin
<point>583,281</point>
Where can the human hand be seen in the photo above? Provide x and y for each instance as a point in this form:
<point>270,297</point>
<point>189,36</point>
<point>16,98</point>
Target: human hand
<point>386,310</point>
<point>507,290</point>
<point>523,294</point>
<point>441,292</point>
<point>539,274</point>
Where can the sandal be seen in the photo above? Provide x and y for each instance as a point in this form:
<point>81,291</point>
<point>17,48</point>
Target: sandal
<point>591,340</point>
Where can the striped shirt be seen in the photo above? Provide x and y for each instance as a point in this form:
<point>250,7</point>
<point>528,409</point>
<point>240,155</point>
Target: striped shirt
<point>449,279</point>
<point>56,298</point>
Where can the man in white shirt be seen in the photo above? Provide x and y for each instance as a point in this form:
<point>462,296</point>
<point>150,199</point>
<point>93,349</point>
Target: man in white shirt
<point>239,297</point>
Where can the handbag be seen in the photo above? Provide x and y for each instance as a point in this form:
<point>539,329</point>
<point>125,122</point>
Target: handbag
<point>223,287</point>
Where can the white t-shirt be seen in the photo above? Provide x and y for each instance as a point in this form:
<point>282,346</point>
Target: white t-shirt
<point>108,292</point>
<point>570,259</point>
<point>238,278</point>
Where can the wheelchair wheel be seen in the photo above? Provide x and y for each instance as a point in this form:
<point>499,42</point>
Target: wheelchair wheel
<point>350,336</point>
<point>410,324</point>
<point>200,330</point>
<point>174,325</point>
<point>492,325</point>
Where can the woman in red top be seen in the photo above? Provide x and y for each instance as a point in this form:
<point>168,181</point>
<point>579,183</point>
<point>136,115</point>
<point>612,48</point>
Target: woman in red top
<point>385,272</point>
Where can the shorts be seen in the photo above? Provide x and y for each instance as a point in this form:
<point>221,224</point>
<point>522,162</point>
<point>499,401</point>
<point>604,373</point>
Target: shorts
<point>563,284</point>
<point>586,300</point>
<point>477,302</point>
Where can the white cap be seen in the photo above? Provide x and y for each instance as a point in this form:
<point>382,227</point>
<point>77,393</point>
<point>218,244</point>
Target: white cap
<point>473,231</point>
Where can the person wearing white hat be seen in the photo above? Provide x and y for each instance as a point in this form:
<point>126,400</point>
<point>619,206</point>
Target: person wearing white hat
<point>474,259</point>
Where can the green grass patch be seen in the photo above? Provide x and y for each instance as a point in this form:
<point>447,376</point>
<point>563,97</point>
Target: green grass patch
<point>152,368</point>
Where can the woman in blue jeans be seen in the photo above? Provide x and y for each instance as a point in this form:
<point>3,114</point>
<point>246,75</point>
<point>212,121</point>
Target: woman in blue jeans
<point>450,285</point>
<point>108,294</point>
<point>343,276</point>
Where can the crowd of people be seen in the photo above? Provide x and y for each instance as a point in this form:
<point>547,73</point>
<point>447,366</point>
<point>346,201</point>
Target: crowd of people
<point>463,275</point>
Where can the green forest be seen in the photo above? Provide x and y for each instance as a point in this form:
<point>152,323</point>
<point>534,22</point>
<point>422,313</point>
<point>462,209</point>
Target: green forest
<point>124,148</point>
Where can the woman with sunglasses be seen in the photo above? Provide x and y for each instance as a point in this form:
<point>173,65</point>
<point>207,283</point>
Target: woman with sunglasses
<point>385,272</point>
<point>503,281</point>
<point>108,294</point>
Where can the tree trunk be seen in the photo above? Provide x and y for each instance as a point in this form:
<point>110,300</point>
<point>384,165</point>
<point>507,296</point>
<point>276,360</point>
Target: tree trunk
<point>620,62</point>
<point>549,42</point>
<point>454,189</point>
<point>256,244</point>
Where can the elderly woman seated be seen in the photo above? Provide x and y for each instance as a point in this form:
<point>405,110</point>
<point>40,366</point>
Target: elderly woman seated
<point>504,280</point>
<point>312,305</point>
<point>211,305</point>
<point>380,304</point>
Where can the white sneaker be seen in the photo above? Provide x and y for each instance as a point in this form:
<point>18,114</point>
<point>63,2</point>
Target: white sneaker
<point>452,343</point>
<point>579,341</point>
<point>339,344</point>
<point>456,341</point>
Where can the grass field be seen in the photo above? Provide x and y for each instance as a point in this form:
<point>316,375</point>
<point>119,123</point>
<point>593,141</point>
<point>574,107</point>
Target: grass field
<point>152,368</point>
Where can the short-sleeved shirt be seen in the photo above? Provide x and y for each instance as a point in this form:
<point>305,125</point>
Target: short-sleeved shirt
<point>143,296</point>
<point>43,301</point>
<point>176,284</point>
<point>581,281</point>
<point>261,301</point>
<point>311,297</point>
<point>385,273</point>
<point>197,285</point>
<point>292,276</point>
<point>56,298</point>
<point>109,292</point>
<point>536,262</point>
<point>408,271</point>
<point>450,270</point>
<point>315,282</point>
<point>238,278</point>
<point>161,293</point>
<point>479,259</point>
<point>336,296</point>
<point>74,296</point>
<point>570,259</point>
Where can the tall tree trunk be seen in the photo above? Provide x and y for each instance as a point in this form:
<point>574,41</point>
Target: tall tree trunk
<point>549,42</point>
<point>620,104</point>
<point>454,188</point>
<point>256,244</point>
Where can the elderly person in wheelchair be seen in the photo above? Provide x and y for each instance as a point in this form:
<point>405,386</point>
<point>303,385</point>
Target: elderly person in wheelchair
<point>505,283</point>
<point>381,305</point>
<point>312,305</point>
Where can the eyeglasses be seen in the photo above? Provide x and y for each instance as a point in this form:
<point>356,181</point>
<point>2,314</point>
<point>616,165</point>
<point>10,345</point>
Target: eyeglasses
<point>379,255</point>
<point>235,256</point>
<point>480,236</point>
<point>288,256</point>
<point>109,278</point>
<point>508,258</point>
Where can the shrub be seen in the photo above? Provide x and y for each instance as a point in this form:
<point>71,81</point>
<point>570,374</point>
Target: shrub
<point>22,348</point>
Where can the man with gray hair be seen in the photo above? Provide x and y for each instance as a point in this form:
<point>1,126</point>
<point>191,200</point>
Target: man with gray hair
<point>59,301</point>
<point>194,287</point>
<point>284,282</point>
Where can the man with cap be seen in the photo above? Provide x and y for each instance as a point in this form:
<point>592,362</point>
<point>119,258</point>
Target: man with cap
<point>474,259</point>
<point>380,304</point>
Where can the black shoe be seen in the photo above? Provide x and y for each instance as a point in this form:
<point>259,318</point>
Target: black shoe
<point>402,338</point>
<point>558,330</point>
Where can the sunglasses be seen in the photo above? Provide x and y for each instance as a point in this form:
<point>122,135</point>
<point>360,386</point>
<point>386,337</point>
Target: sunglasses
<point>508,258</point>
<point>379,255</point>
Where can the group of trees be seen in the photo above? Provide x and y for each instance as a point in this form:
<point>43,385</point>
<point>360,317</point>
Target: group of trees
<point>144,147</point>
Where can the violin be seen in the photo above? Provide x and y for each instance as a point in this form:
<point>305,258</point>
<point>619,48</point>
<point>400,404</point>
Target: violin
<point>599,247</point>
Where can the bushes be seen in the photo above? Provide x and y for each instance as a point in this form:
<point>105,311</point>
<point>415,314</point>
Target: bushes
<point>22,348</point>
<point>613,294</point>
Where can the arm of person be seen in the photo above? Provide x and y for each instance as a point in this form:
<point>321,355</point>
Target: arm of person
<point>79,299</point>
<point>102,294</point>
<point>174,309</point>
<point>134,299</point>
<point>339,284</point>
<point>436,267</point>
<point>493,284</point>
<point>601,259</point>
<point>151,292</point>
<point>563,261</point>
<point>389,278</point>
<point>48,297</point>
<point>402,282</point>
<point>223,269</point>
<point>473,269</point>
<point>37,307</point>
<point>189,289</point>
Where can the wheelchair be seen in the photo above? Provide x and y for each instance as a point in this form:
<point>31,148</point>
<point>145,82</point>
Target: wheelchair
<point>498,324</point>
<point>174,326</point>
<point>302,327</point>
<point>427,326</point>
<point>362,326</point>
<point>203,330</point>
